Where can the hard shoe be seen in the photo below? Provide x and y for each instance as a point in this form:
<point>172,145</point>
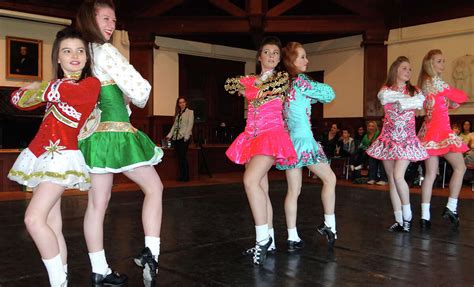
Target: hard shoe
<point>294,245</point>
<point>260,252</point>
<point>406,226</point>
<point>425,224</point>
<point>249,252</point>
<point>326,231</point>
<point>453,217</point>
<point>396,227</point>
<point>112,279</point>
<point>371,182</point>
<point>381,182</point>
<point>147,261</point>
<point>359,167</point>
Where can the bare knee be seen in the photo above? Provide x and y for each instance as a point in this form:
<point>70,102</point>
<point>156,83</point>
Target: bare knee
<point>329,179</point>
<point>99,203</point>
<point>32,221</point>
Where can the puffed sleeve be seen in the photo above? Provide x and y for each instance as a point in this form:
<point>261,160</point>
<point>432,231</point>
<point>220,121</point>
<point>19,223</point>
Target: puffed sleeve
<point>388,96</point>
<point>412,103</point>
<point>124,75</point>
<point>318,92</point>
<point>24,99</point>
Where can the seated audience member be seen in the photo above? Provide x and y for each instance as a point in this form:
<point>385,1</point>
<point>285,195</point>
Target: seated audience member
<point>329,140</point>
<point>346,145</point>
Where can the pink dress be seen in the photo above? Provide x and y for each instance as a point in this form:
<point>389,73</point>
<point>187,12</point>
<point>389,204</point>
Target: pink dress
<point>436,134</point>
<point>264,133</point>
<point>398,140</point>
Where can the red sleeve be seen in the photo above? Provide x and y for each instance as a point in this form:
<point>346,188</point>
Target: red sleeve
<point>85,91</point>
<point>455,95</point>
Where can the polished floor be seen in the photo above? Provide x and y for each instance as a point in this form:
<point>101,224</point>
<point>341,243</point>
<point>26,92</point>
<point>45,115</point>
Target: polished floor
<point>206,227</point>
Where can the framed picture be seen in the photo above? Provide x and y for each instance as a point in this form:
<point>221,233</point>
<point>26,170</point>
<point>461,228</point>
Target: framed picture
<point>24,59</point>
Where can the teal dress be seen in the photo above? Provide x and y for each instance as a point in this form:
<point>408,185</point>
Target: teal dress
<point>115,145</point>
<point>297,114</point>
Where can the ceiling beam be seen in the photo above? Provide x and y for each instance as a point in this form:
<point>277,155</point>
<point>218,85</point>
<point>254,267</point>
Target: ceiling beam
<point>229,7</point>
<point>159,8</point>
<point>28,8</point>
<point>363,7</point>
<point>288,24</point>
<point>282,7</point>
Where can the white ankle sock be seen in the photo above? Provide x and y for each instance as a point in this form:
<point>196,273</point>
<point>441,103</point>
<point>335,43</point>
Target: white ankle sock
<point>330,221</point>
<point>452,204</point>
<point>398,216</point>
<point>154,244</point>
<point>293,235</point>
<point>262,233</point>
<point>271,232</point>
<point>65,268</point>
<point>99,263</point>
<point>425,211</point>
<point>55,269</point>
<point>406,210</point>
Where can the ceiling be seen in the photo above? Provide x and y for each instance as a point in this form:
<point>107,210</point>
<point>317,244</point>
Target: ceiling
<point>242,23</point>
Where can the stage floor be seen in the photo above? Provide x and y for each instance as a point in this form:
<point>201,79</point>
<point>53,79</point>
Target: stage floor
<point>205,229</point>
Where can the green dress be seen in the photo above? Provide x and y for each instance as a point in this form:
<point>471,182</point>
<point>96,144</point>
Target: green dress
<point>115,145</point>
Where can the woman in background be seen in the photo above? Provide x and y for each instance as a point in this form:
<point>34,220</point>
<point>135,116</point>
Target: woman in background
<point>180,134</point>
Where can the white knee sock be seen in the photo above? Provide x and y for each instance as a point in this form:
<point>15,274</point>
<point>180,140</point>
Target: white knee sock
<point>99,263</point>
<point>406,210</point>
<point>425,211</point>
<point>452,204</point>
<point>262,234</point>
<point>154,244</point>
<point>293,235</point>
<point>398,216</point>
<point>55,269</point>
<point>330,221</point>
<point>271,232</point>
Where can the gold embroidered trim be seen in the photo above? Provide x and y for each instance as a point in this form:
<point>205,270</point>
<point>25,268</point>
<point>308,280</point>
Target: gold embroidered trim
<point>57,114</point>
<point>40,174</point>
<point>107,83</point>
<point>33,97</point>
<point>115,127</point>
<point>233,85</point>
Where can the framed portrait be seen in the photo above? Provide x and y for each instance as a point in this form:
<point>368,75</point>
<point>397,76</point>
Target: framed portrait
<point>24,59</point>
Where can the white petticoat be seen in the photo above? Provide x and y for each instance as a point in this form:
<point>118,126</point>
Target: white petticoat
<point>66,168</point>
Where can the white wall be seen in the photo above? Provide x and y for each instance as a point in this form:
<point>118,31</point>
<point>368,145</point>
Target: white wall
<point>455,38</point>
<point>166,67</point>
<point>343,63</point>
<point>30,30</point>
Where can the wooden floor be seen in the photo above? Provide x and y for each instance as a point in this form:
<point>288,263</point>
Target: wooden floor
<point>207,223</point>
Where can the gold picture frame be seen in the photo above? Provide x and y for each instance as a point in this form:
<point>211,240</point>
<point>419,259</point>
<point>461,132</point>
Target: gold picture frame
<point>24,59</point>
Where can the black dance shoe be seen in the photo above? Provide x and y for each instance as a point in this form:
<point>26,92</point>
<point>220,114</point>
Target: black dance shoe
<point>453,217</point>
<point>396,227</point>
<point>112,279</point>
<point>260,252</point>
<point>425,224</point>
<point>326,231</point>
<point>146,261</point>
<point>406,226</point>
<point>249,252</point>
<point>294,245</point>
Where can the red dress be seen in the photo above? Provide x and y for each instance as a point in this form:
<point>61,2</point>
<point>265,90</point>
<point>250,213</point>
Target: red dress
<point>53,155</point>
<point>264,133</point>
<point>436,134</point>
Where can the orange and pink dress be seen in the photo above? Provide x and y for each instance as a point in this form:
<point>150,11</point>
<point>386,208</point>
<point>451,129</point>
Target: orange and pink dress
<point>265,132</point>
<point>436,134</point>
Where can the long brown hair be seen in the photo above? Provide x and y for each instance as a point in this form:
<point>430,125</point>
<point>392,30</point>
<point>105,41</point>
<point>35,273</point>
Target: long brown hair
<point>427,71</point>
<point>86,22</point>
<point>290,53</point>
<point>393,72</point>
<point>178,109</point>
<point>69,33</point>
